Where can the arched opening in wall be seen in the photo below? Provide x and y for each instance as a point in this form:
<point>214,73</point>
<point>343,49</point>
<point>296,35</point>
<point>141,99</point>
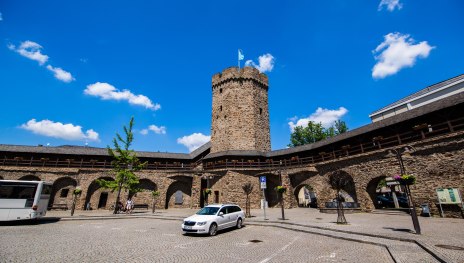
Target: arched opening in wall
<point>306,196</point>
<point>185,188</point>
<point>146,186</point>
<point>30,178</point>
<point>383,195</point>
<point>272,181</point>
<point>62,191</point>
<point>96,200</point>
<point>343,181</point>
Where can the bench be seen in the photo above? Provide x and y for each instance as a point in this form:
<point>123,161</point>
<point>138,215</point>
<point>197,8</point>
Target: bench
<point>141,206</point>
<point>59,207</point>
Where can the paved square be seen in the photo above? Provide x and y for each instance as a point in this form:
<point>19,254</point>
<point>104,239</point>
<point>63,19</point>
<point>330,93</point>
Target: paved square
<point>154,240</point>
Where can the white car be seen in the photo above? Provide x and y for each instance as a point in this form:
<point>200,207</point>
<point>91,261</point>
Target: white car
<point>214,217</point>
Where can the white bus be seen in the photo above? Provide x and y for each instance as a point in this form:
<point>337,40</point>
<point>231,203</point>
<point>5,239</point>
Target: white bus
<point>21,200</point>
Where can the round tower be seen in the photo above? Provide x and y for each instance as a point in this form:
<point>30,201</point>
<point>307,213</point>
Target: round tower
<point>240,115</point>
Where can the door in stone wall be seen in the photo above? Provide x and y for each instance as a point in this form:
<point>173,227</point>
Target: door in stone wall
<point>103,200</point>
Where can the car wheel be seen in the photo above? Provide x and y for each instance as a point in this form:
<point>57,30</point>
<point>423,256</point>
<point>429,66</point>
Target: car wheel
<point>239,223</point>
<point>212,229</point>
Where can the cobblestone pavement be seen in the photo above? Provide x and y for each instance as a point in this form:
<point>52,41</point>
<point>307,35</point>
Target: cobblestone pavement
<point>381,229</point>
<point>154,240</point>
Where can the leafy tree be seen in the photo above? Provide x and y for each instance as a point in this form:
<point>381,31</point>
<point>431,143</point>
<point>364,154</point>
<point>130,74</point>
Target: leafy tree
<point>340,127</point>
<point>125,163</point>
<point>314,132</point>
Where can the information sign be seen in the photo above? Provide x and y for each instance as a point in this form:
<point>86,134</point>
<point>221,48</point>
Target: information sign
<point>448,196</point>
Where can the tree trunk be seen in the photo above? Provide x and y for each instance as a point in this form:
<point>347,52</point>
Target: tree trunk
<point>247,206</point>
<point>117,200</point>
<point>154,203</point>
<point>73,206</point>
<point>341,214</point>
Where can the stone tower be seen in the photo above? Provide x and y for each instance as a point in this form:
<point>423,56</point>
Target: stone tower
<point>240,119</point>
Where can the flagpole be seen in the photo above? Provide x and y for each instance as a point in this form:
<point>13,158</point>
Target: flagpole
<point>238,56</point>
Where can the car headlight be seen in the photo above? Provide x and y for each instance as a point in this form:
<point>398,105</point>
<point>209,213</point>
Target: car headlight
<point>201,223</point>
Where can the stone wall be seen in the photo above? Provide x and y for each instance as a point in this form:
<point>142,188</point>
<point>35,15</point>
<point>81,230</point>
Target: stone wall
<point>436,162</point>
<point>240,114</point>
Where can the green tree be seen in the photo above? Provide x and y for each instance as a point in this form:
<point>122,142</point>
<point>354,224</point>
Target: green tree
<point>125,163</point>
<point>340,127</point>
<point>315,132</point>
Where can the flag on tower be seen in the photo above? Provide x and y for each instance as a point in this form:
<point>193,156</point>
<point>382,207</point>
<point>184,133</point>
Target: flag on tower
<point>240,55</point>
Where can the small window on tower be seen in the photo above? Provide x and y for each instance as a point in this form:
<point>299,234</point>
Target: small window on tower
<point>220,108</point>
<point>220,90</point>
<point>225,116</point>
<point>260,111</point>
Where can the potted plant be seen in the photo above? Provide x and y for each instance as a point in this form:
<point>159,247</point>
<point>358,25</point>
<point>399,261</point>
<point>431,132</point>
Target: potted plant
<point>281,189</point>
<point>405,179</point>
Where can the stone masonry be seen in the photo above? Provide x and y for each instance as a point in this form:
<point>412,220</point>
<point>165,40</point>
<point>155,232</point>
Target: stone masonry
<point>240,115</point>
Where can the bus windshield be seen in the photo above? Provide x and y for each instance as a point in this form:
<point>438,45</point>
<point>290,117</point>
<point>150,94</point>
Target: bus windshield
<point>9,190</point>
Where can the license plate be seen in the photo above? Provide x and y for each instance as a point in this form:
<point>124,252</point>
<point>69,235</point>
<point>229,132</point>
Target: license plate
<point>187,227</point>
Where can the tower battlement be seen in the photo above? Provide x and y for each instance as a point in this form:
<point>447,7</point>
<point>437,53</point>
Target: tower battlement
<point>236,74</point>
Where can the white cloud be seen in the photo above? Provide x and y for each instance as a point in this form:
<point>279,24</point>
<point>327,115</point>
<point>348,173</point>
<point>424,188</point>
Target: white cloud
<point>391,5</point>
<point>30,50</point>
<point>266,63</point>
<point>324,116</point>
<point>194,140</point>
<point>59,130</point>
<point>155,129</point>
<point>397,51</point>
<point>108,92</point>
<point>61,74</point>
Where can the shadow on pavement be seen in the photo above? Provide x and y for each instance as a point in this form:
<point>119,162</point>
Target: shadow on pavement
<point>400,229</point>
<point>42,221</point>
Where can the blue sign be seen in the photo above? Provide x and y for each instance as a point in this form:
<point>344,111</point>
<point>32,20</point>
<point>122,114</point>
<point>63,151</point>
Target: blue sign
<point>262,180</point>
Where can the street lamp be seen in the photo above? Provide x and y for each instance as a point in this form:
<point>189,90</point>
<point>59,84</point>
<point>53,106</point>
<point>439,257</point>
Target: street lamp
<point>281,194</point>
<point>407,150</point>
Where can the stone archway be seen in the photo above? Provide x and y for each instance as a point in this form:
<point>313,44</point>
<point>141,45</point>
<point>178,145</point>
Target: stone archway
<point>272,181</point>
<point>178,187</point>
<point>146,186</point>
<point>348,191</point>
<point>29,177</point>
<point>371,189</point>
<point>62,190</point>
<point>98,197</point>
<point>305,196</point>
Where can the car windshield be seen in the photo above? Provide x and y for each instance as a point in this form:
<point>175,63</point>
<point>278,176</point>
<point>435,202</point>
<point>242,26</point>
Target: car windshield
<point>208,211</point>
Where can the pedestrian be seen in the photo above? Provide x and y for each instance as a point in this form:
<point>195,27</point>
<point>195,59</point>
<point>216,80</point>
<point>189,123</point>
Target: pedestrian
<point>87,207</point>
<point>129,206</point>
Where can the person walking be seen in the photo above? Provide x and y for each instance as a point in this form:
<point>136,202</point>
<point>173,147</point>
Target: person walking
<point>129,206</point>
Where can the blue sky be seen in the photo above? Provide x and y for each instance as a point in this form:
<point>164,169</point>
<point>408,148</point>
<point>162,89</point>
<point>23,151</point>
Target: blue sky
<point>74,72</point>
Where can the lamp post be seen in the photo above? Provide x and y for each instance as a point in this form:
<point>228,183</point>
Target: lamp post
<point>282,193</point>
<point>412,209</point>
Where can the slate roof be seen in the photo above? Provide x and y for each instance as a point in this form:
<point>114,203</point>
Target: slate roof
<point>421,92</point>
